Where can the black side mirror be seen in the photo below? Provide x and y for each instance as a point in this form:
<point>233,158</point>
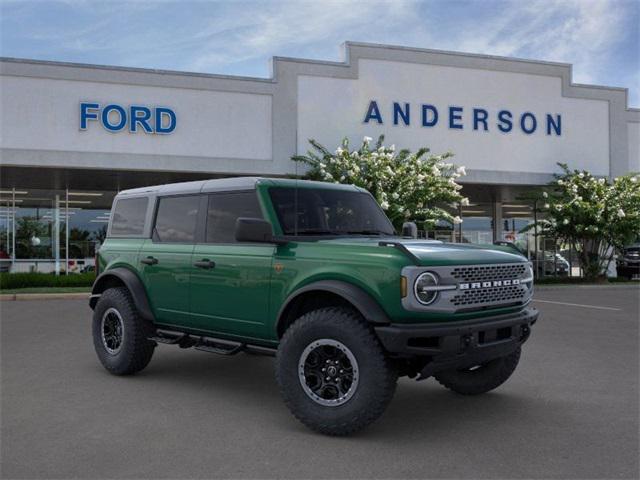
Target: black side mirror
<point>254,230</point>
<point>409,229</point>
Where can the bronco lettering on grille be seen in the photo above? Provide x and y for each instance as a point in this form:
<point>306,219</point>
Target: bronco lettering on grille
<point>494,283</point>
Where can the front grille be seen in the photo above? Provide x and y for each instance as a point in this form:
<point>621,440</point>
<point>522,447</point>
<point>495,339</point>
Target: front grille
<point>478,273</point>
<point>467,288</point>
<point>491,295</point>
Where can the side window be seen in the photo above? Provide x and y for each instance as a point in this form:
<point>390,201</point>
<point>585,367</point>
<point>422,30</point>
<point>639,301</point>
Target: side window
<point>176,219</point>
<point>224,209</point>
<point>128,216</point>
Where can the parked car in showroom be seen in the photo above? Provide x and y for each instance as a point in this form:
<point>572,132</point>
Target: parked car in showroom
<point>628,263</point>
<point>5,262</point>
<point>314,274</point>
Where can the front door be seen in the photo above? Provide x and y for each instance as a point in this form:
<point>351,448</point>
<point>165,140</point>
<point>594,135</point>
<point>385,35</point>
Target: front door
<point>230,281</point>
<point>166,258</point>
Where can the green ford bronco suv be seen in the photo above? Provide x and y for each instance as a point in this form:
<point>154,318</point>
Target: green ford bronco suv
<point>314,274</point>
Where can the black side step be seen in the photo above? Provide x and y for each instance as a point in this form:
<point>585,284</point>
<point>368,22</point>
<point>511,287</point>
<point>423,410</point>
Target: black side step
<point>220,346</point>
<point>168,337</point>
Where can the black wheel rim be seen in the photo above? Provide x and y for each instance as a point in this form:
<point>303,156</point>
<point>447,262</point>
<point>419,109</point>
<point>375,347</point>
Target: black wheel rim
<point>112,329</point>
<point>328,372</point>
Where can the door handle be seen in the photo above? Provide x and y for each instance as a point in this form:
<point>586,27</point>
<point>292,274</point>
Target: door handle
<point>205,263</point>
<point>149,261</point>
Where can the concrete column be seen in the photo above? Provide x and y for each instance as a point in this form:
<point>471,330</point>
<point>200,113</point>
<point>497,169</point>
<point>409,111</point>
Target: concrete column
<point>498,227</point>
<point>13,228</point>
<point>56,235</point>
<point>66,232</point>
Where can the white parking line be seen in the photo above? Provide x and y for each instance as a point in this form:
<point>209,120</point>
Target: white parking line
<point>578,305</point>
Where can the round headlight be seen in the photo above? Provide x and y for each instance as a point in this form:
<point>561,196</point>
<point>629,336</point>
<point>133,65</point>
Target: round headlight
<point>423,288</point>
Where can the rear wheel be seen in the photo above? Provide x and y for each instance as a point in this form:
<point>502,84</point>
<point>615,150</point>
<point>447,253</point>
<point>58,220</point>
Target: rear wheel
<point>333,373</point>
<point>120,334</point>
<point>480,378</point>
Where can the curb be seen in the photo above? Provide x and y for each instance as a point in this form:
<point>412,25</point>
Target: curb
<point>623,286</point>
<point>8,297</point>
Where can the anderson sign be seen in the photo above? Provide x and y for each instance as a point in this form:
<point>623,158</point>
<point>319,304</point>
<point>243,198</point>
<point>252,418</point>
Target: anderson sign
<point>461,118</point>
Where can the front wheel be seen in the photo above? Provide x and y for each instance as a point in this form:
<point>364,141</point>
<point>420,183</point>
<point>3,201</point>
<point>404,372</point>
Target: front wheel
<point>333,373</point>
<point>480,378</point>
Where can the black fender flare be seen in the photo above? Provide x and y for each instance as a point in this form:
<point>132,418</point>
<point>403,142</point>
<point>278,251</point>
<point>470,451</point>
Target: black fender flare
<point>133,284</point>
<point>368,307</point>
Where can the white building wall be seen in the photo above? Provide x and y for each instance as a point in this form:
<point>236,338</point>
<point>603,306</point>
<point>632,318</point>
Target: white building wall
<point>329,108</point>
<point>238,126</point>
<point>44,114</point>
<point>633,137</point>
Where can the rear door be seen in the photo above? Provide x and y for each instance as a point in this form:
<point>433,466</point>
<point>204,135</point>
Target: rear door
<point>230,281</point>
<point>165,259</point>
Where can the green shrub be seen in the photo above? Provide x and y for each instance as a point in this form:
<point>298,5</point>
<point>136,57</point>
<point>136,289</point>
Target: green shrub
<point>26,280</point>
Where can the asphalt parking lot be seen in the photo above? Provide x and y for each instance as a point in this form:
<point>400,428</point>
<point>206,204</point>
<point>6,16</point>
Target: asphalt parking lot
<point>569,411</point>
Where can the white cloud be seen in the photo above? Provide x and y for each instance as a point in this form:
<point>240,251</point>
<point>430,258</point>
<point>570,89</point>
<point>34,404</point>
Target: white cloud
<point>581,32</point>
<point>217,37</point>
<point>276,26</point>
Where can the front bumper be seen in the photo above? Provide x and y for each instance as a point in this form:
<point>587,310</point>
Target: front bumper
<point>449,346</point>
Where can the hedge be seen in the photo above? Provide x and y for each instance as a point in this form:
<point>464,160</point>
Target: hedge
<point>25,280</point>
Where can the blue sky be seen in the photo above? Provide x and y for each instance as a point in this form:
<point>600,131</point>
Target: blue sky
<point>600,38</point>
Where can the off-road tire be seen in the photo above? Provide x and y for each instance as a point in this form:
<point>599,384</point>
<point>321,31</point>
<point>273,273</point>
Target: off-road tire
<point>377,375</point>
<point>136,350</point>
<point>482,379</point>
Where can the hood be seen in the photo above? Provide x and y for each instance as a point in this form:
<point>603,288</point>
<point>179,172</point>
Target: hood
<point>435,253</point>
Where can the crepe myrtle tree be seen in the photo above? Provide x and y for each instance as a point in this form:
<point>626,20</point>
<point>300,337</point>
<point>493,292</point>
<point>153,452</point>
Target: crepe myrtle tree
<point>595,216</point>
<point>408,186</point>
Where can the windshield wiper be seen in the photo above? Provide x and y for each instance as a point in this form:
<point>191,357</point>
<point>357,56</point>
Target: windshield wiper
<point>318,231</point>
<point>324,231</point>
<point>367,232</point>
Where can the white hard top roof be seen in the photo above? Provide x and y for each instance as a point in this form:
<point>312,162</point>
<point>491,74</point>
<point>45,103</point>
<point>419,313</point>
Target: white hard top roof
<point>218,184</point>
<point>221,184</point>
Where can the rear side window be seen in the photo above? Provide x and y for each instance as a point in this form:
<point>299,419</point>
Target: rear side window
<point>224,209</point>
<point>128,216</point>
<point>176,219</point>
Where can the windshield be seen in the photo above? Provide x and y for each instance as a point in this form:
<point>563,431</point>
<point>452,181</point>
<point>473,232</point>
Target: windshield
<point>328,212</point>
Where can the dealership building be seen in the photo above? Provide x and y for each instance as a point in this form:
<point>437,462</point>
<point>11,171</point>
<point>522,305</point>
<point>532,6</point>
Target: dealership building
<point>73,135</point>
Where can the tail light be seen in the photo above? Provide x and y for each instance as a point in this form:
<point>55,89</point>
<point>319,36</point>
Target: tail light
<point>96,260</point>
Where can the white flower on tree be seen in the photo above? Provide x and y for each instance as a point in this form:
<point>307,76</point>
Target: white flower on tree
<point>595,216</point>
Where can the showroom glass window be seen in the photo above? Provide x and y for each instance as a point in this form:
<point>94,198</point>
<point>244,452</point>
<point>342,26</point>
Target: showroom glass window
<point>223,211</point>
<point>52,230</point>
<point>176,219</point>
